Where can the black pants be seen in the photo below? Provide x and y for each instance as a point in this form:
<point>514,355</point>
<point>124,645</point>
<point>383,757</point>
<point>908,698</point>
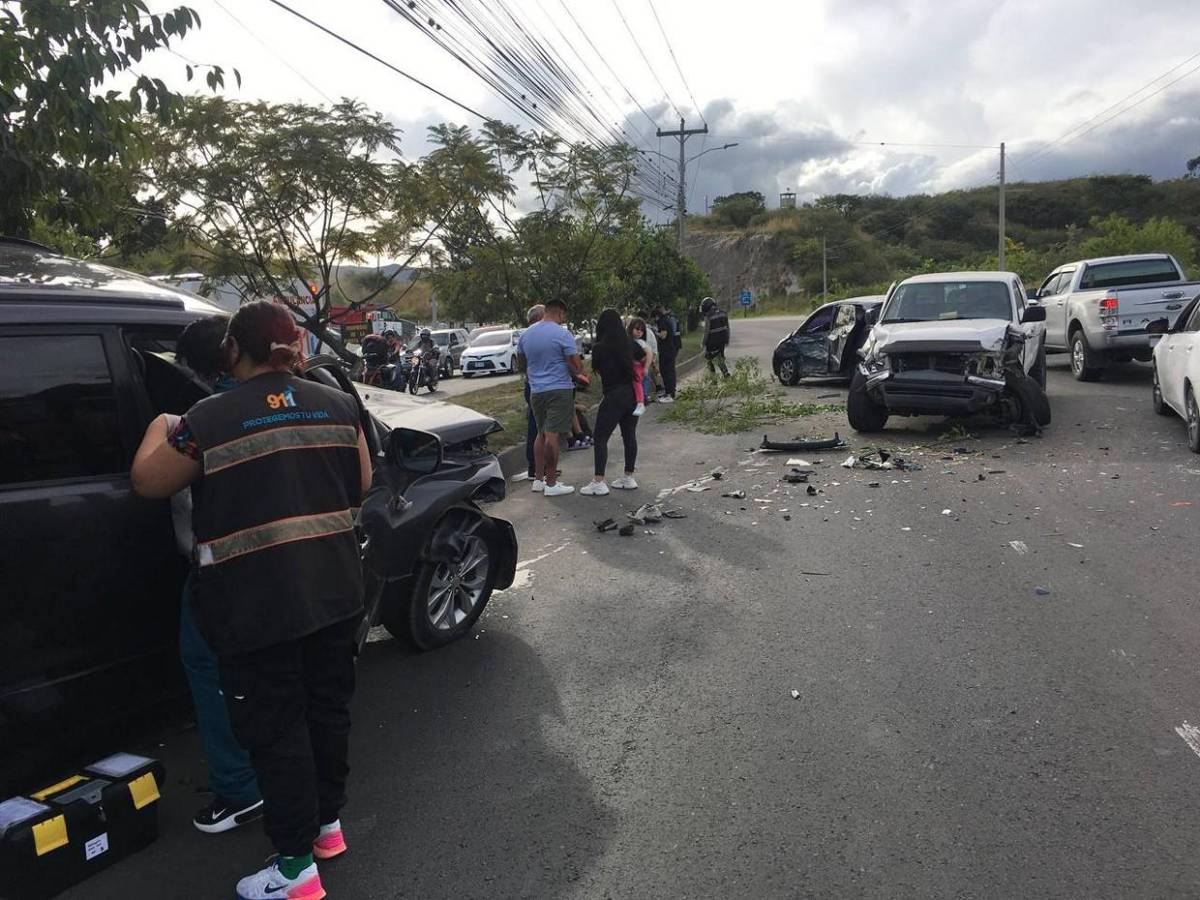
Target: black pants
<point>289,705</point>
<point>531,432</point>
<point>666,365</point>
<point>616,408</point>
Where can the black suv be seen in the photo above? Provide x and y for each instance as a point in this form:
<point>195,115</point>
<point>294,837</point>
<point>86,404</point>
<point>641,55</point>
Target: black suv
<point>90,572</point>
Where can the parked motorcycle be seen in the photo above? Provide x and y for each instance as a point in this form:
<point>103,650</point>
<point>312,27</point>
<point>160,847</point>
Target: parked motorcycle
<point>423,371</point>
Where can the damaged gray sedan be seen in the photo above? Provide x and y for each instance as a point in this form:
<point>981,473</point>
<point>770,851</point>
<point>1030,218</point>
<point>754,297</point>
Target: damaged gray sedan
<point>954,344</point>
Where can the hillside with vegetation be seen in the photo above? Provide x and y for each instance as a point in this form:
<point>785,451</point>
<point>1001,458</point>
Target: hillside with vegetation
<point>873,240</point>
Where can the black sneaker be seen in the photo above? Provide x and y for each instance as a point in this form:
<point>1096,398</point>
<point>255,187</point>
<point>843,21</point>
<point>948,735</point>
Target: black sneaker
<point>221,815</point>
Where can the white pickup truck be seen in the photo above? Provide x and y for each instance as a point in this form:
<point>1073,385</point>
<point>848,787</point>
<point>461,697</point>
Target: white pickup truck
<point>1098,309</point>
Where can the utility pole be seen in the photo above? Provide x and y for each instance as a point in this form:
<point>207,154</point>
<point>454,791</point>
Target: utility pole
<point>824,271</point>
<point>1001,256</point>
<point>681,198</point>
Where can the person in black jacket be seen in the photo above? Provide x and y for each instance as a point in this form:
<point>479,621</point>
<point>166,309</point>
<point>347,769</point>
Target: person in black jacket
<point>669,342</point>
<point>612,359</point>
<point>277,465</point>
<point>716,335</point>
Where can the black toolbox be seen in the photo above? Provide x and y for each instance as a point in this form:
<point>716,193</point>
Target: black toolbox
<point>62,834</point>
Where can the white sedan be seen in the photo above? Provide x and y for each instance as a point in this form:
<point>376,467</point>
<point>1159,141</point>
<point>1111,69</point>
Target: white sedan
<point>1177,369</point>
<point>492,352</point>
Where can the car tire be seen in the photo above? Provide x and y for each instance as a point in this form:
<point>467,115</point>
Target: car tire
<point>789,372</point>
<point>1193,420</point>
<point>1083,362</point>
<point>865,415</point>
<point>440,610</point>
<point>1034,402</point>
<point>1156,397</point>
<point>1039,368</point>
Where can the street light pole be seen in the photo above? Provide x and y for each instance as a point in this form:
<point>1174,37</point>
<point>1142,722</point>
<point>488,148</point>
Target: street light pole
<point>1001,222</point>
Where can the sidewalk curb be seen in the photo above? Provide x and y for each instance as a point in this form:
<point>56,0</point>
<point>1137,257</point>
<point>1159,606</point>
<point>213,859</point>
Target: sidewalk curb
<point>512,460</point>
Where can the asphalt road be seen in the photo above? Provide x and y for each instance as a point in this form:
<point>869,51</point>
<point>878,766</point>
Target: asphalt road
<point>623,724</point>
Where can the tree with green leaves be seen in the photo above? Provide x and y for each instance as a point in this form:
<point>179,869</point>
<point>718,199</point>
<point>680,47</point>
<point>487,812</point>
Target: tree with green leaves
<point>736,210</point>
<point>276,195</point>
<point>69,148</point>
<point>497,261</point>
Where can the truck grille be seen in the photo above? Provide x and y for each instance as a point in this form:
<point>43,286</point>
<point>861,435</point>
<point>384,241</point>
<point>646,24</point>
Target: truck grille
<point>951,363</point>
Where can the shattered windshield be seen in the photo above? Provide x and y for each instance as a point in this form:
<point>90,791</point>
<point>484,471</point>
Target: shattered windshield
<point>926,302</point>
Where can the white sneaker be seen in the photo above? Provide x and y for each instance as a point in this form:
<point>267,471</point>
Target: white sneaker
<point>666,398</point>
<point>558,490</point>
<point>270,884</point>
<point>624,483</point>
<point>640,409</point>
<point>594,489</point>
<point>538,486</point>
<point>521,476</point>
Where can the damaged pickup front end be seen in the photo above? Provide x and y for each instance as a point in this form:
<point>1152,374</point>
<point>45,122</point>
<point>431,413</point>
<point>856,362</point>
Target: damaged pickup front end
<point>947,368</point>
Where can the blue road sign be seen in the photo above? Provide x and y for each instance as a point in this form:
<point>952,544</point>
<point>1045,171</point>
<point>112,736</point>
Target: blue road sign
<point>747,298</point>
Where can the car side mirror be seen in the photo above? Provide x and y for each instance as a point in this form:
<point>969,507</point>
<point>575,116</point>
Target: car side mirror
<point>414,451</point>
<point>1033,314</point>
<point>1158,327</point>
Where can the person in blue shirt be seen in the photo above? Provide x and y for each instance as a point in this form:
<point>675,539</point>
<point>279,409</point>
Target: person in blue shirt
<point>547,354</point>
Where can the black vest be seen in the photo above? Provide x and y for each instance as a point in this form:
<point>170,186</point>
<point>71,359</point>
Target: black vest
<point>273,514</point>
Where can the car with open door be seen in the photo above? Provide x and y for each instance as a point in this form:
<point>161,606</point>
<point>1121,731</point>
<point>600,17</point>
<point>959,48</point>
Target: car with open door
<point>826,344</point>
<point>1176,360</point>
<point>92,576</point>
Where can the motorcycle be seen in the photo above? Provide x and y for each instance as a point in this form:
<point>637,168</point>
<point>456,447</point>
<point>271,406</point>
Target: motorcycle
<point>423,370</point>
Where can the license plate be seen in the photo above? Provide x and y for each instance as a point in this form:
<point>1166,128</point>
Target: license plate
<point>474,365</point>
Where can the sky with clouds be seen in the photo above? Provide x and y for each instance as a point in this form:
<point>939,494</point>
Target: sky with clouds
<point>808,89</point>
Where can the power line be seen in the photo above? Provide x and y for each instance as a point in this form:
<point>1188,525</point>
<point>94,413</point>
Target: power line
<point>645,58</point>
<point>382,62</point>
<point>516,63</point>
<point>1074,133</point>
<point>675,60</point>
<point>283,59</point>
<point>785,139</point>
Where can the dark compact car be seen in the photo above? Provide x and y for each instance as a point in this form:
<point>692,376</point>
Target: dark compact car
<point>827,344</point>
<point>90,574</point>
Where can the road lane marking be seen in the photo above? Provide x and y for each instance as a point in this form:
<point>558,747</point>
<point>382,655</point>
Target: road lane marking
<point>1191,736</point>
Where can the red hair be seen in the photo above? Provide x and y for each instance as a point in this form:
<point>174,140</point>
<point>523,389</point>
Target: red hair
<point>267,333</point>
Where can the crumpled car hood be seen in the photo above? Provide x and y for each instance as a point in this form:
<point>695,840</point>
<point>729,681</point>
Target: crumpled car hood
<point>988,333</point>
<point>453,424</point>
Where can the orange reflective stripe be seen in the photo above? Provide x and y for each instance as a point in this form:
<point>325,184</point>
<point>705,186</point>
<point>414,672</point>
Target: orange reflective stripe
<point>293,437</point>
<point>283,531</point>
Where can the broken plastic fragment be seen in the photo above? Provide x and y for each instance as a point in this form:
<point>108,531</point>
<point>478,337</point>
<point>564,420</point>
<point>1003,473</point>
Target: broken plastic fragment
<point>796,478</point>
<point>850,462</point>
<point>872,484</point>
<point>697,488</point>
<point>673,514</point>
<point>812,491</point>
<point>626,530</point>
<point>795,694</point>
<point>947,512</point>
<point>797,461</point>
<point>1042,591</point>
<point>736,495</point>
<point>647,513</point>
<point>606,525</point>
<point>1019,546</point>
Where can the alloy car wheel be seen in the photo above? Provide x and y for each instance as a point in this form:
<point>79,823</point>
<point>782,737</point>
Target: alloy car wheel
<point>1082,366</point>
<point>787,372</point>
<point>1156,396</point>
<point>1193,421</point>
<point>458,587</point>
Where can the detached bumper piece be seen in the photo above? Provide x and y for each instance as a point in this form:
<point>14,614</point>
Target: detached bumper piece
<point>832,443</point>
<point>65,833</point>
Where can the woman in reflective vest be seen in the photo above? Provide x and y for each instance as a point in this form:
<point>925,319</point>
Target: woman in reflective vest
<point>277,466</point>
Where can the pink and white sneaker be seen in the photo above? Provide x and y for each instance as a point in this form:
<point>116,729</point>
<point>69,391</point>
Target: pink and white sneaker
<point>272,884</point>
<point>329,842</point>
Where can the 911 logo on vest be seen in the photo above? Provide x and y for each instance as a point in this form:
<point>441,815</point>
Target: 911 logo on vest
<point>281,400</point>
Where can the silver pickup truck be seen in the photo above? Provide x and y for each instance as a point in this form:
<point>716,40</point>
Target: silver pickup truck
<point>1098,309</point>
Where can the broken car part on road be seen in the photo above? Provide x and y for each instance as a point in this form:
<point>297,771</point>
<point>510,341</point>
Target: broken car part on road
<point>801,445</point>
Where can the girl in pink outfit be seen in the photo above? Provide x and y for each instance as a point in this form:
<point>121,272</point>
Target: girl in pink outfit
<point>637,331</point>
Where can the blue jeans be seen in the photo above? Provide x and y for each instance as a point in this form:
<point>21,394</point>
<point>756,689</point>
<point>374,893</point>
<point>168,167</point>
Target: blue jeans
<point>230,774</point>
